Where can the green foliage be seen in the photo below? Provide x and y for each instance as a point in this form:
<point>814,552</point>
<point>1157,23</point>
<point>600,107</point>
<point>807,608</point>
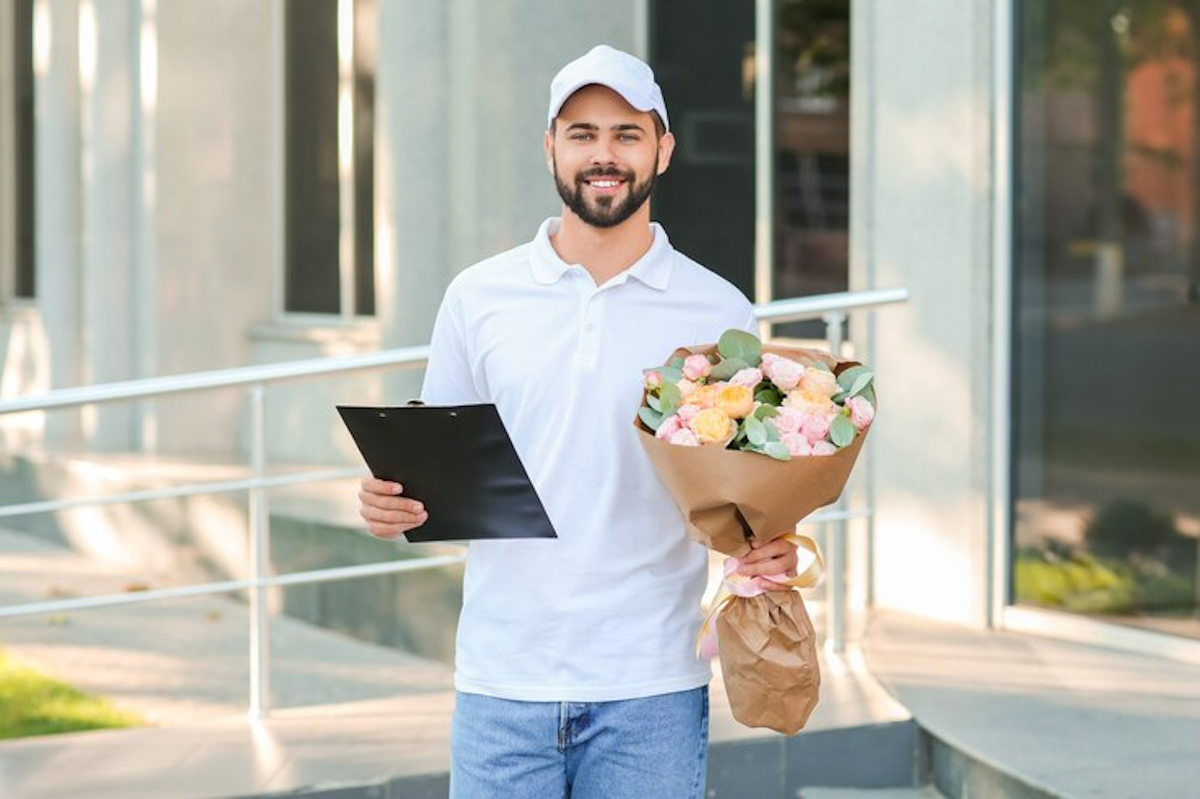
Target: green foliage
<point>728,368</point>
<point>33,704</point>
<point>842,431</point>
<point>768,395</point>
<point>756,431</point>
<point>742,346</point>
<point>777,450</point>
<point>651,418</point>
<point>1083,584</point>
<point>1124,525</point>
<point>669,397</point>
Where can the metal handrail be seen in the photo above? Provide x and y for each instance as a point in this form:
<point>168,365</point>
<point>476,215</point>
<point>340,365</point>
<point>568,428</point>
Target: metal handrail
<point>833,309</point>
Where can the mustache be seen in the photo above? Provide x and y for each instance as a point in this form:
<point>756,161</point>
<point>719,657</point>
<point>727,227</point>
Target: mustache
<point>605,172</point>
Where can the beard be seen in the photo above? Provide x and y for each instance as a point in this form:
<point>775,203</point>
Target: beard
<point>605,212</point>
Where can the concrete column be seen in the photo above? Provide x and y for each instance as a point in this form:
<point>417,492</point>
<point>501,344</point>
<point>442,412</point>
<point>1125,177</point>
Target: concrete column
<point>921,183</point>
<point>109,114</point>
<point>461,102</point>
<point>59,201</point>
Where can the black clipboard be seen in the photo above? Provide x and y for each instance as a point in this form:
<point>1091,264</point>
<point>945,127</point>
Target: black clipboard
<point>459,462</point>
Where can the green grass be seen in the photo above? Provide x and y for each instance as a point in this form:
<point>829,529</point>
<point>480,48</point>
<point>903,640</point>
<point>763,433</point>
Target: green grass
<point>34,704</point>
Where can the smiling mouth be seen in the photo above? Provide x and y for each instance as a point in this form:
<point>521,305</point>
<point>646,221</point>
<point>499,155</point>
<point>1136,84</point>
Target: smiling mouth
<point>605,185</point>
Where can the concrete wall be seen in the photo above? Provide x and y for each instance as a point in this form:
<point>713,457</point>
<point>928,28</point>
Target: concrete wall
<point>922,194</point>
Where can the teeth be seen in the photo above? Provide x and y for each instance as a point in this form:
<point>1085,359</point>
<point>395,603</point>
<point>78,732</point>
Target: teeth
<point>605,184</point>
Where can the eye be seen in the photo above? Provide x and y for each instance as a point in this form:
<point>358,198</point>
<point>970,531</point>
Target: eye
<point>580,136</point>
<point>630,137</point>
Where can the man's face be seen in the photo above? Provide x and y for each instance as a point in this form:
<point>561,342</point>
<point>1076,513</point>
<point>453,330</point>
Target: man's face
<point>605,156</point>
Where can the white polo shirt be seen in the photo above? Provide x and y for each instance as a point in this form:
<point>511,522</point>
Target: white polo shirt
<point>611,608</point>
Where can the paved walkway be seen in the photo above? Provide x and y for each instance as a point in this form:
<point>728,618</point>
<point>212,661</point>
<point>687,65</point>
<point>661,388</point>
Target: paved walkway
<point>1072,720</point>
<point>180,660</point>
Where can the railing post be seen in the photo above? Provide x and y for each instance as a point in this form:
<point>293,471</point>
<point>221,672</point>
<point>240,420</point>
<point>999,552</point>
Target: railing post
<point>260,546</point>
<point>835,550</point>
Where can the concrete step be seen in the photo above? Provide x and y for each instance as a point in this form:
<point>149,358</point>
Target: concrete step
<point>925,792</point>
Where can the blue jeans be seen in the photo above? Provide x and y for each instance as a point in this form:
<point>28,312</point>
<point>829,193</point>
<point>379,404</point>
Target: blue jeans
<point>656,746</point>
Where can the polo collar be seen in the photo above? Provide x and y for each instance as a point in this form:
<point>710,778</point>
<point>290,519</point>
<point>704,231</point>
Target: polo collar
<point>653,269</point>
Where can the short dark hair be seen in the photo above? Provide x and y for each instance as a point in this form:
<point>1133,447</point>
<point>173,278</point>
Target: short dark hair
<point>660,129</point>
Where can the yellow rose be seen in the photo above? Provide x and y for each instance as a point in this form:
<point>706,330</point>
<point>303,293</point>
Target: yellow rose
<point>809,402</point>
<point>818,381</point>
<point>736,401</point>
<point>702,397</point>
<point>713,426</point>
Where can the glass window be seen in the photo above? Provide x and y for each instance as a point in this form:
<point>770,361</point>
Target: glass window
<point>812,160</point>
<point>24,278</point>
<point>707,200</point>
<point>329,216</point>
<point>1106,321</point>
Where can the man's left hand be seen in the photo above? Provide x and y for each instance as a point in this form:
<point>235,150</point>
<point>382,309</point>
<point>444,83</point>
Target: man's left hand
<point>773,557</point>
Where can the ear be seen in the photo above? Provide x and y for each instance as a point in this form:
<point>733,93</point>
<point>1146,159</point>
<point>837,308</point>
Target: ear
<point>548,147</point>
<point>666,147</point>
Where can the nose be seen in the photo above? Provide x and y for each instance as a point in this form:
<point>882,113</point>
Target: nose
<point>603,153</point>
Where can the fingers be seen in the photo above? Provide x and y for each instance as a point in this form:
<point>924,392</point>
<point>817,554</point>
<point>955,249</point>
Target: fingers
<point>773,557</point>
<point>771,585</point>
<point>374,485</point>
<point>387,514</point>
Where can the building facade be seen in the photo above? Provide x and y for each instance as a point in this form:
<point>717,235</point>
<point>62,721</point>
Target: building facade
<point>190,186</point>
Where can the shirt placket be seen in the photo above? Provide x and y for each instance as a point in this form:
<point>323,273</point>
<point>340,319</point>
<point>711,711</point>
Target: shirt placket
<point>591,306</point>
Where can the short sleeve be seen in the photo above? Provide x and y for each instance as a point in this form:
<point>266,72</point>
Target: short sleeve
<point>448,376</point>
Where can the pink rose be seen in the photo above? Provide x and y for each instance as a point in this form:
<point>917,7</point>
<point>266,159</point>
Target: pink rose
<point>696,367</point>
<point>687,412</point>
<point>653,378</point>
<point>862,413</point>
<point>669,427</point>
<point>685,437</point>
<point>815,427</point>
<point>797,444</point>
<point>747,377</point>
<point>788,420</point>
<point>823,448</point>
<point>783,372</point>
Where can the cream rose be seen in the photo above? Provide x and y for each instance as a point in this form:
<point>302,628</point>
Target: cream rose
<point>818,381</point>
<point>736,401</point>
<point>713,426</point>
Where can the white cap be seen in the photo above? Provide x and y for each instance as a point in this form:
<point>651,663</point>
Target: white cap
<point>626,75</point>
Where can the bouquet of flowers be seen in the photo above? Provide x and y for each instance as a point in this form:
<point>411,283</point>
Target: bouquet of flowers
<point>749,439</point>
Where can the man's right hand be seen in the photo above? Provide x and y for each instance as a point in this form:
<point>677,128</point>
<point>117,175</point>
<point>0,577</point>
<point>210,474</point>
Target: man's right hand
<point>387,513</point>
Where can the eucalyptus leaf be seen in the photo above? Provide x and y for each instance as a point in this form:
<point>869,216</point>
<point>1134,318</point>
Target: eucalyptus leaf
<point>654,402</point>
<point>840,397</point>
<point>860,384</point>
<point>740,345</point>
<point>777,450</point>
<point>651,417</point>
<point>669,398</point>
<point>765,412</point>
<point>670,374</point>
<point>772,432</point>
<point>817,364</point>
<point>848,376</point>
<point>769,396</point>
<point>869,394</point>
<point>842,431</point>
<point>676,363</point>
<point>728,368</point>
<point>756,431</point>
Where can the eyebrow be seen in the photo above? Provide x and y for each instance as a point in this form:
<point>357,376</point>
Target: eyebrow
<point>589,126</point>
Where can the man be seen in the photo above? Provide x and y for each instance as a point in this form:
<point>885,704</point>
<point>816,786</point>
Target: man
<point>575,665</point>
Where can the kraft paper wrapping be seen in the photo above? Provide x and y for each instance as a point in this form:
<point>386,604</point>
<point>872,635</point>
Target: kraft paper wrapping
<point>727,495</point>
<point>768,651</point>
<point>767,644</point>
